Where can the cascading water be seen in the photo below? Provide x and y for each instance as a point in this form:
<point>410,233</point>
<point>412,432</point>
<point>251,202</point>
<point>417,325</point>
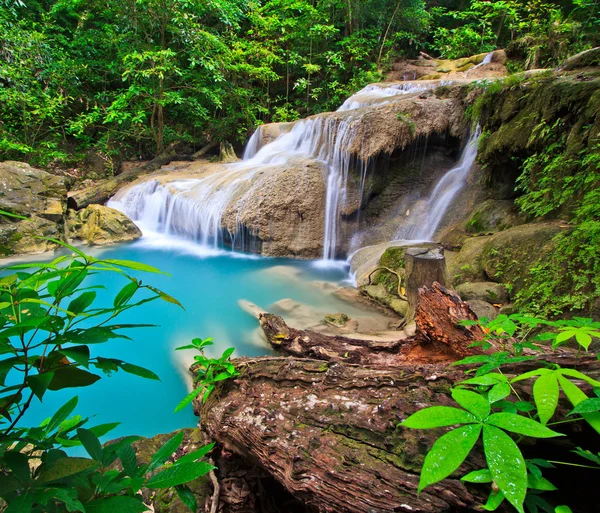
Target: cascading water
<point>423,222</point>
<point>194,208</point>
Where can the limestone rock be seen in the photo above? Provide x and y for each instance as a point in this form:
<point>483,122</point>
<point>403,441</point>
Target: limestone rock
<point>483,291</point>
<point>37,195</point>
<point>483,309</point>
<point>583,59</point>
<point>99,225</point>
<point>26,190</point>
<point>465,265</point>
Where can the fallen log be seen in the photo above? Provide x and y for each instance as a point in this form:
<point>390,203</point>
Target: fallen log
<point>438,337</point>
<point>329,431</point>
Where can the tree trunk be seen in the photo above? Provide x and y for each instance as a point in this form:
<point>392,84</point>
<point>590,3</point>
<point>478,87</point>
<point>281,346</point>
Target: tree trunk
<point>328,432</point>
<point>423,266</point>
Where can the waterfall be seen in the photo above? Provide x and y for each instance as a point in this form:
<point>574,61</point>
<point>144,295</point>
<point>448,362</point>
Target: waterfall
<point>194,208</point>
<point>486,60</point>
<point>426,217</point>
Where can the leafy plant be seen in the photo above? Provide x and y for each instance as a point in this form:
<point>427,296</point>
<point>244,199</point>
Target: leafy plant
<point>48,321</point>
<point>491,408</point>
<point>209,371</point>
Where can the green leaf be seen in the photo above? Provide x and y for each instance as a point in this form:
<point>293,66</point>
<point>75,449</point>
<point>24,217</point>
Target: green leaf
<point>575,395</point>
<point>506,465</point>
<point>540,483</point>
<point>128,459</point>
<point>65,467</point>
<point>165,452</point>
<point>71,377</point>
<point>521,425</point>
<point>448,453</point>
<point>138,371</point>
<point>438,416</point>
<point>472,401</point>
<point>195,455</point>
<point>79,354</point>
<point>102,429</point>
<point>21,504</point>
<point>187,497</point>
<point>545,395</point>
<point>136,266</point>
<point>188,399</point>
<point>487,379</point>
<point>19,464</point>
<point>499,392</point>
<point>587,406</point>
<point>91,443</point>
<point>583,339</point>
<point>62,413</point>
<point>179,474</point>
<point>80,303</point>
<point>39,383</point>
<point>478,476</point>
<point>494,500</point>
<point>118,504</point>
<point>563,509</point>
<point>125,294</point>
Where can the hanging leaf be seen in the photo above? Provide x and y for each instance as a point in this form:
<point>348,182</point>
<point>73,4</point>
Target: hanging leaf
<point>545,395</point>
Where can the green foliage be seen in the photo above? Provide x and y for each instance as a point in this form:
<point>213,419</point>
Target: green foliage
<point>48,320</point>
<point>209,371</point>
<point>492,408</point>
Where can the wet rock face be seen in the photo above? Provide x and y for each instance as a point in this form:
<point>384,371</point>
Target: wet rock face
<point>99,225</point>
<point>37,195</point>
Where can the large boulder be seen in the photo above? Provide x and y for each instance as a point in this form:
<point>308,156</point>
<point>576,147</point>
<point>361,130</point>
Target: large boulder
<point>494,216</point>
<point>505,257</point>
<point>483,291</point>
<point>37,195</point>
<point>99,225</point>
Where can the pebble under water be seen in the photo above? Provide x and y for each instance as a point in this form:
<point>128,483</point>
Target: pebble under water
<point>209,284</point>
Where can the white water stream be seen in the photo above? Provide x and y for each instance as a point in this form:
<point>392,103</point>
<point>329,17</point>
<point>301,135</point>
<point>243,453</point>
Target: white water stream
<point>194,208</point>
<point>425,219</point>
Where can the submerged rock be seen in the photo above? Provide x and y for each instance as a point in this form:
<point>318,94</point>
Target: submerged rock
<point>337,319</point>
<point>99,225</point>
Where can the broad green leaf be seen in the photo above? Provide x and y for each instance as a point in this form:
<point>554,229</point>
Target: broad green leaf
<point>583,339</point>
<point>80,303</point>
<point>575,395</point>
<point>477,404</point>
<point>19,464</point>
<point>118,504</point>
<point>79,354</point>
<point>579,375</point>
<point>531,374</point>
<point>506,465</point>
<point>65,467</point>
<point>39,383</point>
<point>438,416</point>
<point>564,336</point>
<point>188,399</point>
<point>179,474</point>
<point>187,497</point>
<point>499,392</point>
<point>521,425</point>
<point>539,483</point>
<point>71,377</point>
<point>125,294</point>
<point>563,509</point>
<point>61,414</point>
<point>165,452</point>
<point>128,459</point>
<point>478,476</point>
<point>545,395</point>
<point>21,504</point>
<point>487,379</point>
<point>91,443</point>
<point>102,429</point>
<point>587,406</point>
<point>448,453</point>
<point>494,501</point>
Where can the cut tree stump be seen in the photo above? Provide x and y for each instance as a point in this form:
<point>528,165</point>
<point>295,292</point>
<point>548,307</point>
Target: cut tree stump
<point>424,266</point>
<point>438,337</point>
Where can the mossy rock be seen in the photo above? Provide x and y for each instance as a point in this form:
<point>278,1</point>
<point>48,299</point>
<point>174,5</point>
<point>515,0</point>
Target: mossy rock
<point>465,265</point>
<point>99,225</point>
<point>431,76</point>
<point>508,256</point>
<point>583,60</point>
<point>494,216</point>
<point>337,319</point>
<point>487,291</point>
<point>381,295</point>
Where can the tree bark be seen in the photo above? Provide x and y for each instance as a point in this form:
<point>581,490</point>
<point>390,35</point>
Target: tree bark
<point>328,431</point>
<point>423,266</point>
